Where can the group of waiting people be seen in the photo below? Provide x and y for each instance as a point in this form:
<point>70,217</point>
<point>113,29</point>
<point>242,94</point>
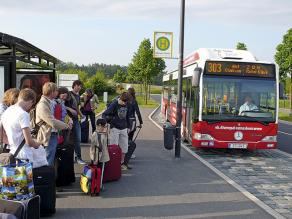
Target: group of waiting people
<point>19,113</point>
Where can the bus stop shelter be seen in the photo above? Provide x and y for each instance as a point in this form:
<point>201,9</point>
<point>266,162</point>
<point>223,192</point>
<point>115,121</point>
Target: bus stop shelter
<point>24,65</point>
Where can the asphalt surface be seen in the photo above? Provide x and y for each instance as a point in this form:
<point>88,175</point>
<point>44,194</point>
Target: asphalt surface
<point>285,137</point>
<point>158,186</point>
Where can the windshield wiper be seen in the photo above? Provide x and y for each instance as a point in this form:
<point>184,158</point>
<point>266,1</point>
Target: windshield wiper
<point>251,119</point>
<point>213,121</point>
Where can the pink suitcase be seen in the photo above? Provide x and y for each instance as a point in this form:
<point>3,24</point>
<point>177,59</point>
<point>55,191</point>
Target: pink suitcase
<point>112,169</point>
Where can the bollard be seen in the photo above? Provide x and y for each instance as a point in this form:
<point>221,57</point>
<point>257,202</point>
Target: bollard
<point>169,133</point>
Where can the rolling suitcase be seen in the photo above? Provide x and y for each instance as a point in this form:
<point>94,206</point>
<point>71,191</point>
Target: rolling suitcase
<point>112,169</point>
<point>64,165</point>
<point>90,180</point>
<point>84,131</point>
<point>26,209</point>
<point>45,187</point>
<point>131,147</point>
<point>64,161</point>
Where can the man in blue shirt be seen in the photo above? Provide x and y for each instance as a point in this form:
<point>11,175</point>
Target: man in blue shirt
<point>117,115</point>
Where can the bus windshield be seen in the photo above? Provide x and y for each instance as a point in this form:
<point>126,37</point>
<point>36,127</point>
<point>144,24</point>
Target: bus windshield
<point>238,99</point>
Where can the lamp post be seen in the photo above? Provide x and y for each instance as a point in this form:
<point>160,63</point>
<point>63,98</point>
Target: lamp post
<point>179,82</point>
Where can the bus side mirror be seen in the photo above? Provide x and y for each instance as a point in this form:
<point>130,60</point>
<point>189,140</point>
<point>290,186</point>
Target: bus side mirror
<point>281,91</point>
<point>196,76</point>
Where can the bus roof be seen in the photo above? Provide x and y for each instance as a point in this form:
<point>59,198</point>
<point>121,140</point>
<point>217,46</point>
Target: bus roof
<point>204,54</point>
<point>201,55</point>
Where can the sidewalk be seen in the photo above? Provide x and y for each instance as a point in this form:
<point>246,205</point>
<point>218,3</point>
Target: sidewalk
<point>158,186</point>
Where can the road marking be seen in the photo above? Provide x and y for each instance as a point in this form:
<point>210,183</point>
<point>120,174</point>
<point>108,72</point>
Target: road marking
<point>285,133</point>
<point>246,193</point>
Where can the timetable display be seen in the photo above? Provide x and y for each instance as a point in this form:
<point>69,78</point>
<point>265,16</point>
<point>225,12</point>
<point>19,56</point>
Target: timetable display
<point>240,69</point>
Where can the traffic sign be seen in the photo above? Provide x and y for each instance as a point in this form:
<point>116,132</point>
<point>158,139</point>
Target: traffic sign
<point>163,44</point>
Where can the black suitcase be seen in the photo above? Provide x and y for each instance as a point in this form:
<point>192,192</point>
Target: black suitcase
<point>26,209</point>
<point>45,187</point>
<point>64,165</point>
<point>84,131</point>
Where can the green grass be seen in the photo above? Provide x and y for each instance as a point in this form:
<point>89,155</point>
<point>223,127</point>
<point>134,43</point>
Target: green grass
<point>284,104</point>
<point>154,89</point>
<point>150,103</point>
<point>285,116</point>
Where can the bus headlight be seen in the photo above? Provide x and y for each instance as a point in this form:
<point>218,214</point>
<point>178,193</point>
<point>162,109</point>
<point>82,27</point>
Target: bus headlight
<point>272,138</point>
<point>206,137</point>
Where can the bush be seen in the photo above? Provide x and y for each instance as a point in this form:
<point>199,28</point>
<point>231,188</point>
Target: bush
<point>99,84</point>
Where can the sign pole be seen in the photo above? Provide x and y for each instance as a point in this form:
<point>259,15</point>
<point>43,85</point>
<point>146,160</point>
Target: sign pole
<point>179,85</point>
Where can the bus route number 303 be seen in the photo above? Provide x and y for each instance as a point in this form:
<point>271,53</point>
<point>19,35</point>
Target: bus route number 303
<point>214,67</point>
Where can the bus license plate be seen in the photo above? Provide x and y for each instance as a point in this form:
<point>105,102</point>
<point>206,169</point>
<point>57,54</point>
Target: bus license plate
<point>237,145</point>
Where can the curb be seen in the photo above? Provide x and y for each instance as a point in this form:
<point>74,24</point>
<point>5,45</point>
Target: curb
<point>247,194</point>
<point>285,122</point>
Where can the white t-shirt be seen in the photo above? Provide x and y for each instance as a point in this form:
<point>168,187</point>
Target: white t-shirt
<point>247,107</point>
<point>14,119</point>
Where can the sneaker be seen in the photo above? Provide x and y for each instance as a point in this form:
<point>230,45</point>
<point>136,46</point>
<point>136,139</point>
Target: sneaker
<point>80,161</point>
<point>133,156</point>
<point>129,167</point>
<point>124,167</point>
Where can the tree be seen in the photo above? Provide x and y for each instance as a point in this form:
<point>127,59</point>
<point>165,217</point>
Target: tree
<point>241,46</point>
<point>120,76</point>
<point>98,83</point>
<point>283,55</point>
<point>144,67</point>
<point>283,58</point>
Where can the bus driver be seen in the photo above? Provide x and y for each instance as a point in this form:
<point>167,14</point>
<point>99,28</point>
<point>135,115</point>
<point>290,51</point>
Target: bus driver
<point>247,106</point>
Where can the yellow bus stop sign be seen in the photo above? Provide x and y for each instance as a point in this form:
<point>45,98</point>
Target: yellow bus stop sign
<point>162,44</point>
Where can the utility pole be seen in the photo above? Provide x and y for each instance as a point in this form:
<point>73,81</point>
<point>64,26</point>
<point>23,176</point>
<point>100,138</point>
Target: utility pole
<point>179,82</point>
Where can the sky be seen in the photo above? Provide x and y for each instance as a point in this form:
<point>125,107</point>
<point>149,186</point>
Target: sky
<point>110,31</point>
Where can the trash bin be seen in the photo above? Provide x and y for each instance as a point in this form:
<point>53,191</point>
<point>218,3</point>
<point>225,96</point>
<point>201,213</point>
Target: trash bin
<point>169,133</point>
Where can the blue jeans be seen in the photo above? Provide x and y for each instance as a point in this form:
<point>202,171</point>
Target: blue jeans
<point>77,137</point>
<point>51,149</point>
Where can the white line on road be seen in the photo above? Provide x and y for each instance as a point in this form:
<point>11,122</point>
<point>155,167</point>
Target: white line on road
<point>250,196</point>
<point>285,133</point>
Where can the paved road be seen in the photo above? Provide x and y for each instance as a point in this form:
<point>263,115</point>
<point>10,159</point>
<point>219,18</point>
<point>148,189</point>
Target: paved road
<point>285,137</point>
<point>159,186</point>
<point>284,134</point>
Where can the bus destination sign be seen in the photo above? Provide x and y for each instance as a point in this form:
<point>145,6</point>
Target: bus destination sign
<point>240,69</point>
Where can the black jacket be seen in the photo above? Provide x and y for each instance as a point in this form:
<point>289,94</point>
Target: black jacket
<point>134,109</point>
<point>117,115</point>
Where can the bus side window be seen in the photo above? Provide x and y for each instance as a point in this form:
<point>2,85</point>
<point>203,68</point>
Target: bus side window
<point>196,101</point>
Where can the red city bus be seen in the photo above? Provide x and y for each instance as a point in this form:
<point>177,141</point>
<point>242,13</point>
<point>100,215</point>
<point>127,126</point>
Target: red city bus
<point>230,100</point>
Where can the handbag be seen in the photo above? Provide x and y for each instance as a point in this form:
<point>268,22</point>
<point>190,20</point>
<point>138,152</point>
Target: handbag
<point>16,181</point>
<point>8,158</point>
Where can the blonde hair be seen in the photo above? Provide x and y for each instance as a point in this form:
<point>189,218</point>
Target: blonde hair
<point>27,94</point>
<point>10,96</point>
<point>49,88</point>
